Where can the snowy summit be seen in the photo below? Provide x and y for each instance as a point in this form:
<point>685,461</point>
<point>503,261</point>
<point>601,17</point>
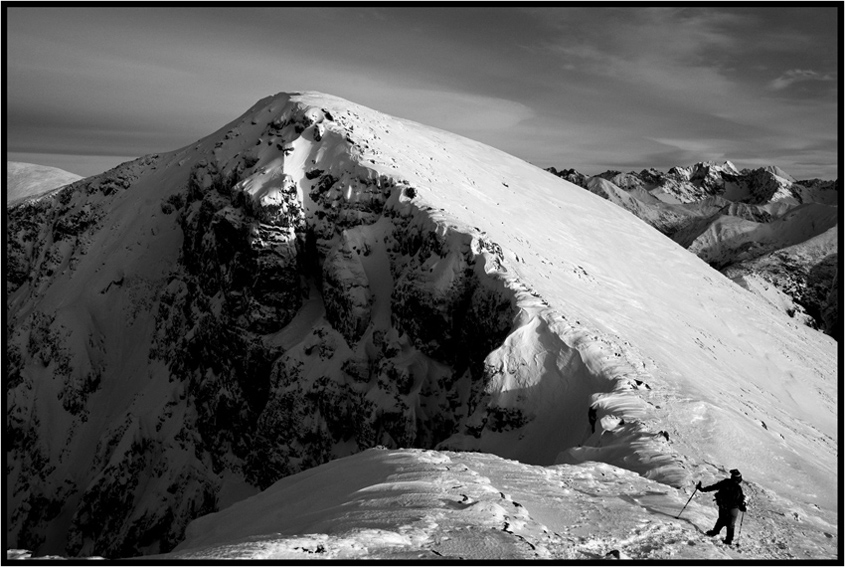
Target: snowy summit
<point>547,375</point>
<point>29,180</point>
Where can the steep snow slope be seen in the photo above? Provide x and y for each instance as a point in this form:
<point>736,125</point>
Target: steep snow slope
<point>807,270</point>
<point>732,219</point>
<point>729,239</point>
<point>413,504</point>
<point>316,278</point>
<point>821,191</point>
<point>24,180</point>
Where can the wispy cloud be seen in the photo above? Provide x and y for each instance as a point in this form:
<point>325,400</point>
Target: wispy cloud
<point>646,44</point>
<point>584,87</point>
<point>692,84</point>
<point>463,112</point>
<point>796,76</point>
<point>710,60</point>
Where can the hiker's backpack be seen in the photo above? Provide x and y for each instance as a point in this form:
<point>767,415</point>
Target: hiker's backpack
<point>729,495</point>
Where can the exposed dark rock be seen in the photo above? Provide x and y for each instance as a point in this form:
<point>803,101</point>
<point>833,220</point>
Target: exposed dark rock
<point>830,310</point>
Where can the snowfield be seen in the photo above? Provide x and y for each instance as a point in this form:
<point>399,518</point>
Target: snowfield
<point>467,302</point>
<point>28,180</point>
<point>413,504</point>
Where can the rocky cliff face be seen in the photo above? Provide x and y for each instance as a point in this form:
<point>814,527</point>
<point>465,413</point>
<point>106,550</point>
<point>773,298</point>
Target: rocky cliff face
<point>760,227</point>
<point>216,400</point>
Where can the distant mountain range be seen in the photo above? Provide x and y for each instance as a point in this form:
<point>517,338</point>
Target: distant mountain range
<point>769,233</point>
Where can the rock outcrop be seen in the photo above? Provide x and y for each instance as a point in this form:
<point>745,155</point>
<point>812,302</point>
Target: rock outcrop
<point>245,231</point>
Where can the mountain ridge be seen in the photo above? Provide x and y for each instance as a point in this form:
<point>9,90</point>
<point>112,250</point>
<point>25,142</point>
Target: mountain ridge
<point>435,292</point>
<point>30,180</point>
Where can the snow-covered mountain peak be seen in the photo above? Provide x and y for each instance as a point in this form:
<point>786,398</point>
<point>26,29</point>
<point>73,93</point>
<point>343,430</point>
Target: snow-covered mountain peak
<point>317,278</point>
<point>775,170</point>
<point>702,170</point>
<point>730,167</point>
<point>29,180</point>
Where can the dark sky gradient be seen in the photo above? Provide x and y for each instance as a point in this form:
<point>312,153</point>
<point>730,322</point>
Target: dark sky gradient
<point>592,88</point>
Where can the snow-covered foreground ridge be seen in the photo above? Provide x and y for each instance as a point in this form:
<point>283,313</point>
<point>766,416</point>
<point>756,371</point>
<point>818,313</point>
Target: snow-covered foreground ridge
<point>317,278</point>
<point>412,504</point>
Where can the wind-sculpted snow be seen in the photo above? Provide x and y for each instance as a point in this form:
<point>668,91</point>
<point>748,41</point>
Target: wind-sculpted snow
<point>317,278</point>
<point>412,504</point>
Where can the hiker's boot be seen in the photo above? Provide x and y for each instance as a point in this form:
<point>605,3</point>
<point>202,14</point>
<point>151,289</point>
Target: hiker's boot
<point>729,536</point>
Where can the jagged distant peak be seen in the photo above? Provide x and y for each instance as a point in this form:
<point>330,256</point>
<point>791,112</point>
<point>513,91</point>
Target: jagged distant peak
<point>775,170</point>
<point>702,167</point>
<point>715,165</point>
<point>565,171</point>
<point>730,167</point>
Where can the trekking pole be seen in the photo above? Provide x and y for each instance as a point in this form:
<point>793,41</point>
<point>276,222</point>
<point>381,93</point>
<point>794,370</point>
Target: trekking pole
<point>739,533</point>
<point>687,504</point>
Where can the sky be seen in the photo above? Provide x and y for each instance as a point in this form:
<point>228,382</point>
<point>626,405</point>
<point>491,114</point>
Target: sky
<point>594,88</point>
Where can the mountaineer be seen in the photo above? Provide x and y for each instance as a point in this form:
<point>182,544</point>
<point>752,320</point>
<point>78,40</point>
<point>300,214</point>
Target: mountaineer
<point>730,500</point>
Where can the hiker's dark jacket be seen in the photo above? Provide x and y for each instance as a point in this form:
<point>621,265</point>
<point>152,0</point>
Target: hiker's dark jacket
<point>729,494</point>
